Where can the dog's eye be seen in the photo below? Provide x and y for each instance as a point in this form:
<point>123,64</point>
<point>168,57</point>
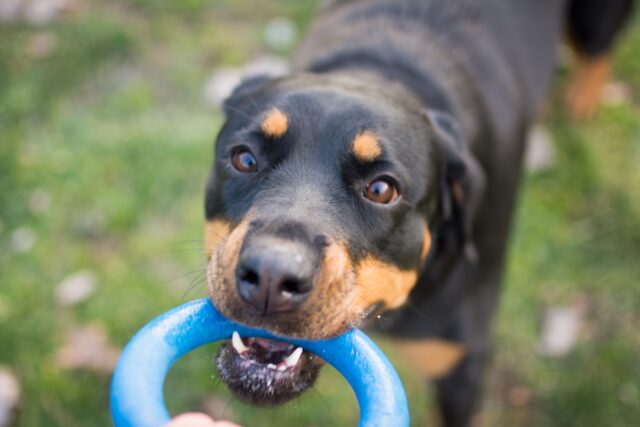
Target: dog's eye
<point>381,190</point>
<point>244,161</point>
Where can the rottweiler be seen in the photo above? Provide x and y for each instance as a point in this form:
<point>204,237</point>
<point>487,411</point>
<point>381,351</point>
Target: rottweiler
<point>381,175</point>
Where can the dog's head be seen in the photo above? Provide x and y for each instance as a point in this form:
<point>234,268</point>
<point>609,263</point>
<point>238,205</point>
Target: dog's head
<point>320,208</point>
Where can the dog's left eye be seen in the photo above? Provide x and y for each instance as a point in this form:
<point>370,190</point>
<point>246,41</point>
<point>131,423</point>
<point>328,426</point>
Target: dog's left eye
<point>244,161</point>
<point>381,190</point>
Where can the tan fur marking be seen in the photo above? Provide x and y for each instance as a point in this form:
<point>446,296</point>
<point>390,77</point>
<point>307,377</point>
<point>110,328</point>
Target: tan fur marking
<point>432,358</point>
<point>426,244</point>
<point>377,281</point>
<point>275,124</point>
<point>335,263</point>
<point>215,231</point>
<point>366,146</point>
<point>328,311</point>
<point>586,85</point>
<point>221,269</point>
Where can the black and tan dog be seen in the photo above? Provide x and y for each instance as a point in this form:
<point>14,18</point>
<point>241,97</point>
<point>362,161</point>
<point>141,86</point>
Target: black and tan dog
<point>382,175</point>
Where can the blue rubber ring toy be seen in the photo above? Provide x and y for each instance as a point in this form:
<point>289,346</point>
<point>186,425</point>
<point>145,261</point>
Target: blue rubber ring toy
<point>136,387</point>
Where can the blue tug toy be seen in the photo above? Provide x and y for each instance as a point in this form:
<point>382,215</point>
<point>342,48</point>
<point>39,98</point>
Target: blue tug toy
<point>136,388</point>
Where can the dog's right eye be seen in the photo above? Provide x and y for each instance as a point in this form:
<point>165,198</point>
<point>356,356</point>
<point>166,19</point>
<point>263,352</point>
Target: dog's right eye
<point>244,161</point>
<point>382,191</point>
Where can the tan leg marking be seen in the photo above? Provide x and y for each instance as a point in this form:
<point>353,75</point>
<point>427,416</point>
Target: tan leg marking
<point>432,358</point>
<point>275,124</point>
<point>366,146</point>
<point>377,281</point>
<point>586,84</point>
<point>215,231</point>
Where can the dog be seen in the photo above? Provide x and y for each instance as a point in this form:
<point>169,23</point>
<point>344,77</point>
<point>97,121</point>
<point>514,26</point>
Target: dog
<point>381,175</point>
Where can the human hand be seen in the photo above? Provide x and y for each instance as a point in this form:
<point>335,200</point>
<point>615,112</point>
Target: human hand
<point>193,419</point>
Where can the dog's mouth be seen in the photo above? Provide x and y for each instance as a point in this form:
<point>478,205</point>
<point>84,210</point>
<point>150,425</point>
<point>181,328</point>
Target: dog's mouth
<point>266,372</point>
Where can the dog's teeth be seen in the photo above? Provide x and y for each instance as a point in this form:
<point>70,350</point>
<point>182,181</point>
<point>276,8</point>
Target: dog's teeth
<point>282,367</point>
<point>292,359</point>
<point>237,343</point>
<point>271,366</point>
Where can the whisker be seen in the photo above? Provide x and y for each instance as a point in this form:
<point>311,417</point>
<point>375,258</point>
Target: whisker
<point>320,396</point>
<point>275,413</point>
<point>237,110</point>
<point>198,269</point>
<point>411,306</point>
<point>195,282</point>
<point>380,321</point>
<point>253,101</point>
<point>229,399</point>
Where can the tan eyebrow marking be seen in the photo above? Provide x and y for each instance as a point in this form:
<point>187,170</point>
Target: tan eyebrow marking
<point>366,146</point>
<point>275,124</point>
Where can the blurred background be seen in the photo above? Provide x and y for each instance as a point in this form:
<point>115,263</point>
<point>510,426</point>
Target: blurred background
<point>108,113</point>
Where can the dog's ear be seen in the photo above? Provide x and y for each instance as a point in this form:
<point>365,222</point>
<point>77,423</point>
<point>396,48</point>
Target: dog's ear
<point>461,181</point>
<point>243,94</point>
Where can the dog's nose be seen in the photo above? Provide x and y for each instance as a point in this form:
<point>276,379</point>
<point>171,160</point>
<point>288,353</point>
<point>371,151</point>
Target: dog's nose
<point>275,275</point>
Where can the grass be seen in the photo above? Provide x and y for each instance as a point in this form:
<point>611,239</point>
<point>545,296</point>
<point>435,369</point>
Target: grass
<point>110,128</point>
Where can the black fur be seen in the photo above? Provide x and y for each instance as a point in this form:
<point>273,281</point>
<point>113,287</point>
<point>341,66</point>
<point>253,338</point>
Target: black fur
<point>450,87</point>
<point>594,25</point>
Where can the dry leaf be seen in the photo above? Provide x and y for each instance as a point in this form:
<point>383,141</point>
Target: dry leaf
<point>9,395</point>
<point>87,347</point>
<point>540,154</point>
<point>76,288</point>
<point>560,330</point>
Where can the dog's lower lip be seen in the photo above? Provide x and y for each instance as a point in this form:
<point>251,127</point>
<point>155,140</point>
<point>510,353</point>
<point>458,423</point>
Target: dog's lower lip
<point>266,372</point>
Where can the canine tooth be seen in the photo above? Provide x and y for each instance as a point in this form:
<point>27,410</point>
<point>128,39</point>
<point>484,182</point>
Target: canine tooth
<point>271,366</point>
<point>237,343</point>
<point>292,359</point>
<point>282,367</point>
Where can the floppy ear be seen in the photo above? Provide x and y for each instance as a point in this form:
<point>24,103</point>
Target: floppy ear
<point>241,95</point>
<point>461,181</point>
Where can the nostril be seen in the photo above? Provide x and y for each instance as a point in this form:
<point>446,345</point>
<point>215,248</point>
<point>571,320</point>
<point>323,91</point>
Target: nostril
<point>291,286</point>
<point>274,275</point>
<point>250,276</point>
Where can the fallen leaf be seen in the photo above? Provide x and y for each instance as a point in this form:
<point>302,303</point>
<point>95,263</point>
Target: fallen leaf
<point>39,46</point>
<point>87,347</point>
<point>23,239</point>
<point>40,12</point>
<point>616,93</point>
<point>9,395</point>
<point>540,154</point>
<point>519,396</point>
<point>223,81</point>
<point>280,33</point>
<point>560,330</point>
<point>76,288</point>
<point>10,10</point>
<point>220,85</point>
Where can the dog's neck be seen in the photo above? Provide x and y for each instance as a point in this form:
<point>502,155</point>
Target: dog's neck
<point>371,66</point>
<point>410,55</point>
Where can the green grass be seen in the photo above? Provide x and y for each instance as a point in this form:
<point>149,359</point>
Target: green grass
<point>111,126</point>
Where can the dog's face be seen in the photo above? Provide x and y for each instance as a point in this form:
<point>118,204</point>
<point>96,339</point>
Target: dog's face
<point>318,211</point>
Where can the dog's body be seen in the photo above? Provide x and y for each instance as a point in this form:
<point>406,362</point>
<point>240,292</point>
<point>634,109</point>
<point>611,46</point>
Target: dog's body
<point>419,106</point>
<point>487,63</point>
